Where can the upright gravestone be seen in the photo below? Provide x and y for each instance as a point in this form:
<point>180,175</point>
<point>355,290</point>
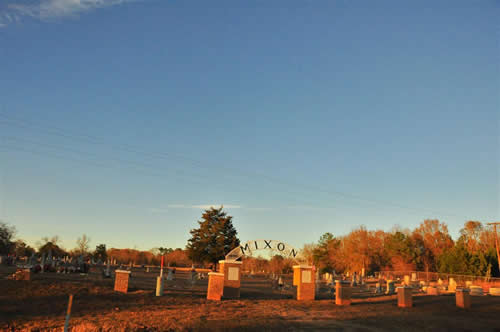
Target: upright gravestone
<point>462,298</point>
<point>354,279</point>
<point>80,261</point>
<point>405,297</point>
<point>43,262</point>
<point>476,290</point>
<point>452,285</point>
<point>107,272</point>
<point>32,260</point>
<point>215,286</point>
<point>494,291</point>
<point>343,293</point>
<point>193,276</point>
<point>432,290</point>
<point>170,275</point>
<point>49,258</point>
<point>407,280</point>
<point>121,281</point>
<point>391,288</point>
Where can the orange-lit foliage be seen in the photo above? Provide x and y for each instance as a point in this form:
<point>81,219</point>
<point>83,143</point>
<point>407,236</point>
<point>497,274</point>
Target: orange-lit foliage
<point>255,264</point>
<point>471,234</point>
<point>432,239</point>
<point>429,247</point>
<point>487,238</point>
<point>126,256</point>
<point>435,236</point>
<point>178,257</point>
<point>279,264</point>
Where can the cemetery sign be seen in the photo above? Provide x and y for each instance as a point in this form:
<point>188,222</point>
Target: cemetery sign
<point>276,247</point>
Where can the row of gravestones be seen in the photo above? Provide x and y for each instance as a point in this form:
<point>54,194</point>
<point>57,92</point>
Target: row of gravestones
<point>49,259</point>
<point>47,262</point>
<point>225,284</point>
<point>122,278</point>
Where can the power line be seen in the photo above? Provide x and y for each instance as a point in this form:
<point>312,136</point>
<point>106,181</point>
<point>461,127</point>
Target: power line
<point>251,175</point>
<point>95,163</point>
<point>197,163</point>
<point>79,152</point>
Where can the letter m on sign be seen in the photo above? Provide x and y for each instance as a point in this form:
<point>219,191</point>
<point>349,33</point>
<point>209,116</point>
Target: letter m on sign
<point>246,247</point>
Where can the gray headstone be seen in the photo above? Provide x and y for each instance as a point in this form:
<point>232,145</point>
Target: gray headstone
<point>391,287</point>
<point>43,262</point>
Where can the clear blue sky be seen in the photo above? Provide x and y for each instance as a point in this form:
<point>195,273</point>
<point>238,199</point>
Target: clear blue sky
<point>122,120</point>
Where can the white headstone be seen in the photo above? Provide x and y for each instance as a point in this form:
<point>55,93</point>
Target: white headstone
<point>43,262</point>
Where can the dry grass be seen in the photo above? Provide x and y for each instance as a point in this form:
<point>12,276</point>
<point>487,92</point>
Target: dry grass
<point>41,304</point>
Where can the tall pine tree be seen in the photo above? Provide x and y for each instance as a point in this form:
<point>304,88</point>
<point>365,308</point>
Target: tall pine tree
<point>214,239</point>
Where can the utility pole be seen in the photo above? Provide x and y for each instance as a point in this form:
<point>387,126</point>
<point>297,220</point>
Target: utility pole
<point>495,224</point>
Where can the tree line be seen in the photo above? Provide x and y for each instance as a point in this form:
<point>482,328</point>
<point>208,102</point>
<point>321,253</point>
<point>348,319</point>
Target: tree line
<point>17,248</point>
<point>429,247</point>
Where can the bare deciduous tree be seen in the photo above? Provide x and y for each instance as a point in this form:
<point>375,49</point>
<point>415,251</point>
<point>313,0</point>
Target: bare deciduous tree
<point>54,240</point>
<point>82,244</point>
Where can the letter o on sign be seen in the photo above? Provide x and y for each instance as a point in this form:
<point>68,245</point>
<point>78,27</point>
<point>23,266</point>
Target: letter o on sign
<point>281,246</point>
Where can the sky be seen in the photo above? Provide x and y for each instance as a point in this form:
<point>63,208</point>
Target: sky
<point>123,120</point>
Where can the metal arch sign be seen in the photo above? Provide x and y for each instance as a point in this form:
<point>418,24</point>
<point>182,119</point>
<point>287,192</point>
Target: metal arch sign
<point>247,249</point>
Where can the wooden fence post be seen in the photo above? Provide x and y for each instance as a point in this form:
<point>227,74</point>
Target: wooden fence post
<point>68,313</point>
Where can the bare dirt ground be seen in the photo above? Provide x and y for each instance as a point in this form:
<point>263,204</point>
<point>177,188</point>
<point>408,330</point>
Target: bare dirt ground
<point>40,305</point>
